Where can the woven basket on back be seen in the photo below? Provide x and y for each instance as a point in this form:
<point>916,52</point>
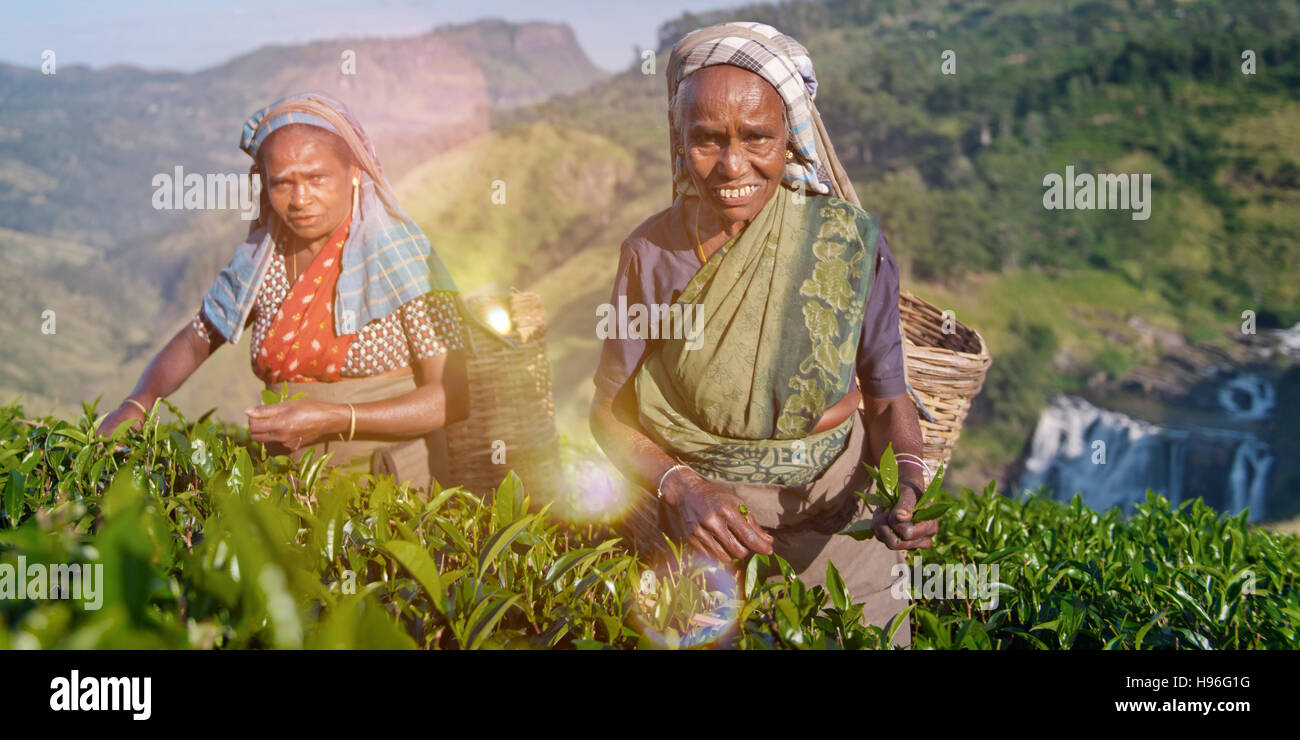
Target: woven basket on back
<point>510,401</point>
<point>945,370</point>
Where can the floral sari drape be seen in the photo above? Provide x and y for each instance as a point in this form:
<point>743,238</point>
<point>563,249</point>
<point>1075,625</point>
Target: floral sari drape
<point>301,345</point>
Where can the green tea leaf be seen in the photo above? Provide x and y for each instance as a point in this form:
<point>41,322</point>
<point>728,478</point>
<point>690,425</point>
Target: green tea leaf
<point>499,542</point>
<point>932,490</point>
<point>896,623</point>
<point>835,585</point>
<point>416,559</point>
<point>930,512</point>
<point>930,625</point>
<point>860,530</point>
<point>483,620</point>
<point>1142,633</point>
<point>1195,638</point>
<point>13,501</point>
<point>503,506</point>
<point>889,471</point>
<point>570,561</point>
<point>756,562</point>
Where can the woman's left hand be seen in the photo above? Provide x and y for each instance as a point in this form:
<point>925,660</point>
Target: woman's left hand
<point>894,526</point>
<point>292,424</point>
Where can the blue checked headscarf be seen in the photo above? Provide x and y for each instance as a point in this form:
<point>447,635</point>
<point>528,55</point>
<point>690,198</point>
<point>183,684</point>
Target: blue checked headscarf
<point>784,63</point>
<point>387,259</point>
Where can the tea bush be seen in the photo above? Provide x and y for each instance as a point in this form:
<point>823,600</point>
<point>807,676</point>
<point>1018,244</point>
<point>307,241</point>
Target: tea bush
<point>1178,577</point>
<point>206,542</point>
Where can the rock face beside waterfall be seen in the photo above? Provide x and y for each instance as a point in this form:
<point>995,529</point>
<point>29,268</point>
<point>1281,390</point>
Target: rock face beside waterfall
<point>1181,367</point>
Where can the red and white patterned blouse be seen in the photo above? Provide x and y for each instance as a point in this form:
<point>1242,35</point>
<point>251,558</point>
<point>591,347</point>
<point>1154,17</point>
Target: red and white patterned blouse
<point>423,327</point>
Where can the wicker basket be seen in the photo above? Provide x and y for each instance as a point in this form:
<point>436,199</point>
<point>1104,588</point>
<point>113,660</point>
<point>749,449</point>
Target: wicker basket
<point>945,371</point>
<point>510,400</point>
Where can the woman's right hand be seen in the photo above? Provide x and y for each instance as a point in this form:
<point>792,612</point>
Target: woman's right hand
<point>119,415</point>
<point>708,515</point>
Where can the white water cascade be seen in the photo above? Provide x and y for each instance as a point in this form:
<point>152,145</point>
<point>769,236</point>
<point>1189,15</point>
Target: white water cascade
<point>1112,458</point>
<point>1289,340</point>
<point>1247,397</point>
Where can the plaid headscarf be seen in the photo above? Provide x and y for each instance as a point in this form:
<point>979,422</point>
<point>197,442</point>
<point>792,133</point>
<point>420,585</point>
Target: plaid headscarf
<point>784,63</point>
<point>387,259</point>
<point>786,66</point>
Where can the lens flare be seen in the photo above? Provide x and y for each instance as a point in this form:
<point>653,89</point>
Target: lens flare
<point>499,319</point>
<point>703,610</point>
<point>686,601</point>
<point>596,493</point>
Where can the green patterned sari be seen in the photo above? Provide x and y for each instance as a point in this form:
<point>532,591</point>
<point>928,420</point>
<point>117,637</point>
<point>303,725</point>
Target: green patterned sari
<point>782,307</point>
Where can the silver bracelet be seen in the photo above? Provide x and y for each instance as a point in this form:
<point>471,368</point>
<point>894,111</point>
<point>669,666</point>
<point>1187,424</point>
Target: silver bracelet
<point>917,464</point>
<point>920,461</point>
<point>659,487</point>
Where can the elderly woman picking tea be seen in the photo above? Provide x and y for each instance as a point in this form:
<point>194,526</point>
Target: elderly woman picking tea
<point>752,435</point>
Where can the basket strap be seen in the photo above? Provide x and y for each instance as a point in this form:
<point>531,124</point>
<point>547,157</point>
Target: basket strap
<point>467,315</point>
<point>920,405</point>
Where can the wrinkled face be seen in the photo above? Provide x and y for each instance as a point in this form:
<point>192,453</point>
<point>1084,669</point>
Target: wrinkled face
<point>733,131</point>
<point>308,184</point>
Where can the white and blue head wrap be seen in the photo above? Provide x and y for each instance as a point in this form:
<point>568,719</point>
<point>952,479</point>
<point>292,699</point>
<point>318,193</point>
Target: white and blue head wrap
<point>387,259</point>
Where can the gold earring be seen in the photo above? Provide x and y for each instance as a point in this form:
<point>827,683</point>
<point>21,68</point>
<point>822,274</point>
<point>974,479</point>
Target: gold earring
<point>789,154</point>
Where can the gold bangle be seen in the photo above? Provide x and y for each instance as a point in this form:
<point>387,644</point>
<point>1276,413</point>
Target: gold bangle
<point>138,405</point>
<point>352,428</point>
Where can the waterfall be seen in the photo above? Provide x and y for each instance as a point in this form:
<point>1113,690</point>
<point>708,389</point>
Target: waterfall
<point>1289,340</point>
<point>1249,476</point>
<point>1112,458</point>
<point>1247,397</point>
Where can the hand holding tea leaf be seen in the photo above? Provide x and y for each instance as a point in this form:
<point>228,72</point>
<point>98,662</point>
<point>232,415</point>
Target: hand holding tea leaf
<point>284,422</point>
<point>713,519</point>
<point>270,397</point>
<point>899,519</point>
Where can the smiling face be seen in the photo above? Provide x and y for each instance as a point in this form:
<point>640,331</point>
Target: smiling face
<point>308,183</point>
<point>732,126</point>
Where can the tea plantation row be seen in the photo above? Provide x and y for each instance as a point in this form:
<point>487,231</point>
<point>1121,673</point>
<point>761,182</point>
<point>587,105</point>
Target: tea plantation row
<point>205,542</point>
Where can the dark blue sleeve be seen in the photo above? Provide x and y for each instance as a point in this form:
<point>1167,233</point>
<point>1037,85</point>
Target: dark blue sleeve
<point>880,350</point>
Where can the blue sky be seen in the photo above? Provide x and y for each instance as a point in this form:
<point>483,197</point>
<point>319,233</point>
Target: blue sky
<point>177,34</point>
